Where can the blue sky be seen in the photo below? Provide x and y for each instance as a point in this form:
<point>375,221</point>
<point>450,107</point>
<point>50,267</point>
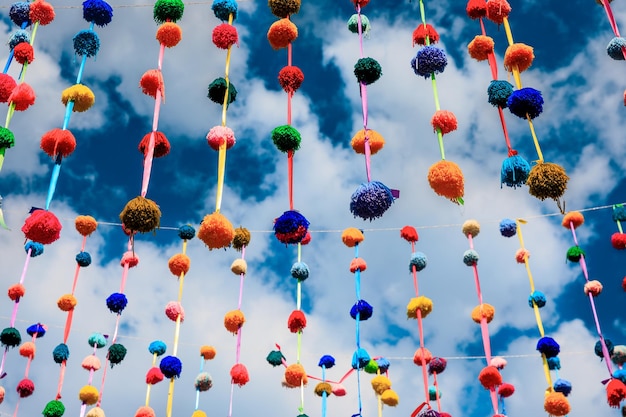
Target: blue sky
<point>580,128</point>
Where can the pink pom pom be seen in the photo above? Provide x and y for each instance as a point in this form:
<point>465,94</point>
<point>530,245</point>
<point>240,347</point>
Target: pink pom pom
<point>358,264</point>
<point>219,135</point>
<point>339,390</point>
<point>173,309</point>
<point>225,36</point>
<point>42,226</point>
<point>499,362</point>
<point>25,387</point>
<point>129,258</point>
<point>145,411</point>
<point>91,363</point>
<point>22,96</point>
<point>593,287</point>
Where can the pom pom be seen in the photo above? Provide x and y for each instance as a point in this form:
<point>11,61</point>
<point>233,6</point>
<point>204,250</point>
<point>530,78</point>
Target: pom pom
<point>429,60</point>
<point>390,398</point>
<point>615,392</point>
<point>179,264</point>
<point>7,84</point>
<point>593,287</point>
<point>480,47</point>
<point>425,34</point>
<point>16,291</point>
<point>375,140</point>
<point>380,384</point>
<point>224,36</point>
<point>275,358</point>
<point>360,3</point>
<point>598,348</point>
<point>41,11</point>
<point>409,233</point>
<point>483,311</point>
<point>290,78</point>
<point>367,70</point>
<point>618,240</point>
<point>157,348</point>
<point>574,254</point>
<point>306,239</point>
<point>89,395</point>
<point>28,350</point>
<point>360,358</point>
<point>554,363</point>
<point>217,91</point>
<point>186,232</point>
<point>326,361</point>
<point>216,231</point>
<point>281,33</point>
<point>207,352</point>
<point>323,388</point>
<point>300,271</point>
<point>145,411</point>
<point>141,215</point>
<point>525,103</point>
<point>352,237</point>
<point>444,121</point>
<point>498,10</point>
<point>537,298</point>
<point>37,329</point>
<point>418,260</point>
<point>506,390</point>
<point>129,258</point>
<point>239,266</point>
<point>353,24</point>
<point>284,8</point>
<point>573,219</point>
<point>358,264</point>
<point>86,43</point>
<point>233,320</point>
<point>151,83</point>
<point>297,321</point>
<point>17,37</point>
<point>24,53</point>
<point>371,200</point>
<point>98,12</point>
<point>171,367</point>
<point>224,8</point>
<point>476,9</point>
<point>219,136</point>
<point>508,228</point>
<point>624,284</point>
<point>446,179</point>
<point>498,93</point>
<point>54,408</point>
<point>169,34</point>
<point>97,340</point>
<point>422,357</point>
<point>25,388</point>
<point>83,259</point>
<point>371,367</point>
<point>7,139</point>
<point>499,362</point>
<point>556,404</point>
<point>547,180</point>
<point>522,255</point>
<point>290,227</point>
<point>91,363</point>
<point>203,382</point>
<point>20,13</point>
<point>490,377</point>
<point>618,357</point>
<point>34,249</point>
<point>470,257</point>
<point>620,374</point>
<point>286,138</point>
<point>295,376</point>
<point>22,97</point>
<point>85,225</point>
<point>174,310</point>
<point>422,304</point>
<point>42,226</point>
<point>339,390</point>
<point>471,227</point>
<point>161,144</point>
<point>514,172</point>
<point>82,97</point>
<point>361,309</point>
<point>383,364</point>
<point>116,354</point>
<point>66,302</point>
<point>548,346</point>
<point>518,56</point>
<point>95,412</point>
<point>619,213</point>
<point>615,48</point>
<point>437,365</point>
<point>241,239</point>
<point>60,353</point>
<point>562,386</point>
<point>168,11</point>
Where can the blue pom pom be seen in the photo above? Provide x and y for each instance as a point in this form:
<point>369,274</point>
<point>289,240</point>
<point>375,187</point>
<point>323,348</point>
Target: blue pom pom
<point>98,12</point>
<point>514,172</point>
<point>429,60</point>
<point>371,200</point>
<point>498,93</point>
<point>60,353</point>
<point>597,349</point>
<point>86,43</point>
<point>360,358</point>
<point>619,213</point>
<point>326,361</point>
<point>36,248</point>
<point>562,386</point>
<point>291,227</point>
<point>157,347</point>
<point>526,101</point>
<point>20,13</point>
<point>83,259</point>
<point>18,36</point>
<point>383,364</point>
<point>508,227</point>
<point>470,257</point>
<point>554,363</point>
<point>418,260</point>
<point>620,374</point>
<point>363,309</point>
<point>186,232</point>
<point>37,329</point>
<point>300,271</point>
<point>223,8</point>
<point>116,302</point>
<point>548,346</point>
<point>614,48</point>
<point>538,298</point>
<point>97,340</point>
<point>171,366</point>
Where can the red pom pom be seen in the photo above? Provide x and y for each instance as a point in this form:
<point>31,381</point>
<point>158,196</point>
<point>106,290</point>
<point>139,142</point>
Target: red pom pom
<point>169,34</point>
<point>151,82</point>
<point>25,387</point>
<point>358,264</point>
<point>618,240</point>
<point>17,291</point>
<point>506,390</point>
<point>490,377</point>
<point>7,84</point>
<point>444,120</point>
<point>360,3</point>
<point>41,11</point>
<point>225,36</point>
<point>615,392</point>
<point>498,10</point>
<point>290,78</point>
<point>282,33</point>
<point>22,96</point>
<point>297,321</point>
<point>422,31</point>
<point>624,284</point>
<point>58,142</point>
<point>476,9</point>
<point>42,226</point>
<point>161,144</point>
<point>409,234</point>
<point>24,52</point>
<point>239,374</point>
<point>154,376</point>
<point>306,239</point>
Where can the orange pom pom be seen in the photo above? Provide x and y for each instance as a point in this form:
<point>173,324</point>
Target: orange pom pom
<point>424,31</point>
<point>23,53</point>
<point>358,263</point>
<point>233,320</point>
<point>409,234</point>
<point>151,82</point>
<point>422,357</point>
<point>615,392</point>
<point>67,302</point>
<point>216,231</point>
<point>16,291</point>
<point>161,144</point>
<point>485,311</point>
<point>58,142</point>
<point>556,404</point>
<point>374,138</point>
<point>444,120</point>
<point>239,374</point>
<point>352,237</point>
<point>574,217</point>
<point>22,96</point>
<point>207,352</point>
<point>518,56</point>
<point>446,179</point>
<point>41,11</point>
<point>179,264</point>
<point>28,349</point>
<point>295,376</point>
<point>169,34</point>
<point>490,377</point>
<point>480,47</point>
<point>498,10</point>
<point>85,225</point>
<point>282,33</point>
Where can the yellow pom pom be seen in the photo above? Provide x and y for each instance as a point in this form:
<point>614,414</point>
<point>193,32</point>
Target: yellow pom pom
<point>323,387</point>
<point>82,97</point>
<point>241,239</point>
<point>239,266</point>
<point>374,138</point>
<point>381,383</point>
<point>89,394</point>
<point>85,225</point>
<point>421,303</point>
<point>198,413</point>
<point>390,398</point>
<point>471,228</point>
<point>483,311</point>
<point>216,231</point>
<point>67,302</point>
<point>352,237</point>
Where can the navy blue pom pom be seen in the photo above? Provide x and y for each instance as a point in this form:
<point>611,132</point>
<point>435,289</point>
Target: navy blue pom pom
<point>371,200</point>
<point>98,12</point>
<point>538,298</point>
<point>619,213</point>
<point>562,386</point>
<point>514,172</point>
<point>363,309</point>
<point>223,8</point>
<point>429,60</point>
<point>360,358</point>
<point>171,366</point>
<point>291,227</point>
<point>186,232</point>
<point>300,271</point>
<point>418,260</point>
<point>614,48</point>
<point>157,347</point>
<point>526,101</point>
<point>548,346</point>
<point>18,36</point>
<point>60,353</point>
<point>83,259</point>
<point>37,329</point>
<point>20,13</point>
<point>36,248</point>
<point>86,43</point>
<point>383,364</point>
<point>498,93</point>
<point>326,361</point>
<point>597,349</point>
<point>554,363</point>
<point>508,227</point>
<point>116,302</point>
<point>10,337</point>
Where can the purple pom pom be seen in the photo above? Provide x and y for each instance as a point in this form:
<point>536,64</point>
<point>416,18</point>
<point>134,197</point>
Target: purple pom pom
<point>548,346</point>
<point>363,309</point>
<point>171,366</point>
<point>291,227</point>
<point>526,101</point>
<point>371,200</point>
<point>326,361</point>
<point>429,60</point>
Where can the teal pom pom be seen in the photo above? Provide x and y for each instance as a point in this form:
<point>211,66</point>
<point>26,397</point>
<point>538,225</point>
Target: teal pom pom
<point>54,408</point>
<point>98,12</point>
<point>168,10</point>
<point>554,363</point>
<point>371,200</point>
<point>20,13</point>
<point>508,227</point>
<point>275,358</point>
<point>35,248</point>
<point>353,24</point>
<point>223,8</point>
<point>60,353</point>
<point>86,43</point>
<point>537,297</point>
<point>97,340</point>
<point>433,394</point>
<point>36,329</point>
<point>117,353</point>
<point>217,90</point>
<point>526,102</point>
<point>300,271</point>
<point>157,347</point>
<point>499,92</point>
<point>619,213</point>
<point>18,36</point>
<point>326,361</point>
<point>470,257</point>
<point>574,254</point>
<point>363,309</point>
<point>286,138</point>
<point>360,358</point>
<point>548,346</point>
<point>514,172</point>
<point>418,260</point>
<point>83,259</point>
<point>367,70</point>
<point>614,48</point>
<point>7,138</point>
<point>186,232</point>
<point>171,366</point>
<point>10,337</point>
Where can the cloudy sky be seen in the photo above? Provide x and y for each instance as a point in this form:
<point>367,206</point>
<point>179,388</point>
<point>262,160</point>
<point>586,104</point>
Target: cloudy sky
<point>581,129</point>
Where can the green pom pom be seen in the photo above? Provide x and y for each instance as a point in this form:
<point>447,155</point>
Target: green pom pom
<point>367,70</point>
<point>575,253</point>
<point>371,367</point>
<point>7,139</point>
<point>54,408</point>
<point>117,352</point>
<point>353,24</point>
<point>168,10</point>
<point>275,358</point>
<point>10,337</point>
<point>286,138</point>
<point>217,90</point>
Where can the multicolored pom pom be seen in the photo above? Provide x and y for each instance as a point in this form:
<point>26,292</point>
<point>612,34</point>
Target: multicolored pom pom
<point>290,227</point>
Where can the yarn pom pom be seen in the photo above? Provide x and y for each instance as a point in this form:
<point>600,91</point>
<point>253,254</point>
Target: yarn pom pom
<point>34,249</point>
<point>483,311</point>
<point>375,140</point>
<point>619,213</point>
<point>536,298</point>
<point>7,139</point>
<point>446,179</point>
<point>444,121</point>
<point>409,233</point>
<point>358,264</point>
<point>593,287</point>
<point>60,353</point>
<point>525,103</point>
<point>290,78</point>
<point>85,225</point>
<point>433,393</point>
<point>25,388</point>
<point>422,357</point>
<point>91,363</point>
<point>284,8</point>
<point>157,347</point>
<point>171,367</point>
<point>151,83</point>
<point>207,352</point>
<point>224,8</point>
<point>296,321</point>
<point>98,12</point>
<point>141,215</point>
<point>508,228</point>
<point>480,47</point>
<point>326,361</point>
<point>624,284</point>
<point>37,329</point>
<point>521,255</point>
<point>281,33</point>
<point>169,34</point>
<point>116,354</point>
<point>95,412</point>
<point>361,310</point>
<point>82,97</point>
<point>548,346</point>
<point>598,350</point>
<point>429,60</point>
<point>19,13</point>
<point>203,382</point>
<point>186,232</point>
<point>615,48</point>
<point>618,357</point>
<point>217,91</point>
<point>7,84</point>
<point>58,142</point>
<point>234,320</point>
<point>97,340</point>
<point>352,237</point>
<point>168,11</point>
<point>42,226</point>
<point>421,304</point>
<point>224,36</point>
<point>24,53</point>
<point>547,180</point>
<point>470,257</point>
<point>179,264</point>
<point>216,231</point>
<point>360,3</point>
<point>88,394</point>
<point>353,24</point>
<point>174,311</point>
<point>437,365</point>
<point>554,363</point>
<point>86,43</point>
<point>17,37</point>
<point>574,254</point>
<point>275,358</point>
<point>16,291</point>
<point>380,384</point>
<point>339,390</point>
<point>300,271</point>
<point>241,239</point>
<point>514,172</point>
<point>54,408</point>
<point>83,259</point>
<point>66,302</point>
<point>290,227</point>
<point>22,97</point>
<point>145,411</point>
<point>498,10</point>
<point>286,138</point>
<point>476,9</point>
<point>360,359</point>
<point>498,93</point>
<point>41,11</point>
<point>295,376</point>
<point>556,404</point>
<point>28,350</point>
<point>129,258</point>
<point>573,219</point>
<point>371,367</point>
<point>506,390</point>
<point>371,200</point>
<point>219,136</point>
<point>615,392</point>
<point>390,398</point>
<point>161,144</point>
<point>425,34</point>
<point>323,388</point>
<point>562,386</point>
<point>154,376</point>
<point>418,261</point>
<point>470,228</point>
<point>518,56</point>
<point>490,377</point>
<point>367,70</point>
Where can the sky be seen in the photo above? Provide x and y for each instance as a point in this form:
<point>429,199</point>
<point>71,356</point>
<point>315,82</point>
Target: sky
<point>580,128</point>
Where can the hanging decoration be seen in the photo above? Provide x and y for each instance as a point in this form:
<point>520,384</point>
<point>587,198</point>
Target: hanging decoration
<point>616,48</point>
<point>203,381</point>
<point>153,376</point>
<point>26,386</point>
<point>89,394</point>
